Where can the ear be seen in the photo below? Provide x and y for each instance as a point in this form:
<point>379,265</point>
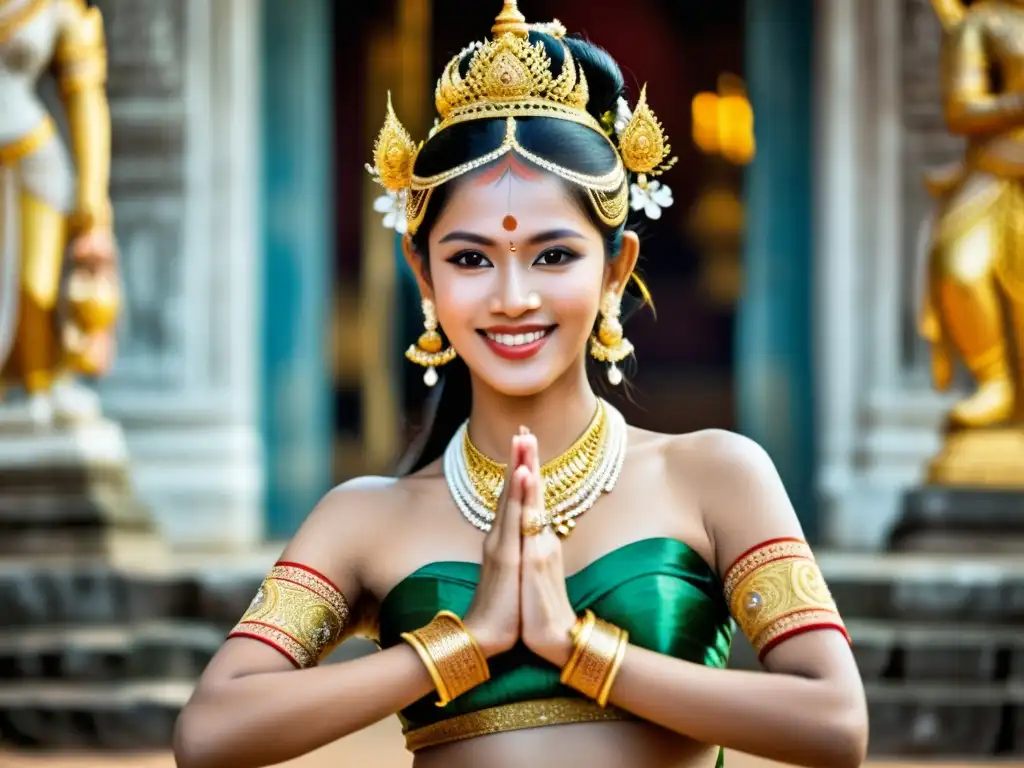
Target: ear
<point>418,265</point>
<point>621,267</point>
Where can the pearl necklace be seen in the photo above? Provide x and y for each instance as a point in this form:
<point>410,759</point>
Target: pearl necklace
<point>573,481</point>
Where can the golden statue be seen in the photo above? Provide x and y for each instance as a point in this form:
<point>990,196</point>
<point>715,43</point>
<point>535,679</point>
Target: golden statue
<point>973,300</point>
<point>55,323</point>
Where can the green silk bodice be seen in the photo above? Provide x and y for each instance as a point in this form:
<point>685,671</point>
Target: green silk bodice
<point>659,589</point>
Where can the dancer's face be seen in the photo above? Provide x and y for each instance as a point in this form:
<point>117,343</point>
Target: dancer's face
<point>517,271</point>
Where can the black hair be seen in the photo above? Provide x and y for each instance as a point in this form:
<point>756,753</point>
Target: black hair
<point>565,143</point>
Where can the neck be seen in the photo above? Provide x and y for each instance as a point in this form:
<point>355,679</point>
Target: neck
<point>557,416</point>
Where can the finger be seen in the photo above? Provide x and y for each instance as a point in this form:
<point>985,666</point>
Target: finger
<point>513,521</point>
<point>506,489</point>
<point>534,492</point>
<point>535,518</point>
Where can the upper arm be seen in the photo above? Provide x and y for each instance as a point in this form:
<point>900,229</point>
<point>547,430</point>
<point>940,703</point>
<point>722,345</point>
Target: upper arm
<point>308,602</point>
<point>80,56</point>
<point>965,72</point>
<point>775,590</point>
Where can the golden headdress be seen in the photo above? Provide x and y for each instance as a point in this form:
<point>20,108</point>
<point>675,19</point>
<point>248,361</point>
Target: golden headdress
<point>508,77</point>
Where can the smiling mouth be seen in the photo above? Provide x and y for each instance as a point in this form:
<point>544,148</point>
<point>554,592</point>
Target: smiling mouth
<point>517,339</point>
<point>517,346</point>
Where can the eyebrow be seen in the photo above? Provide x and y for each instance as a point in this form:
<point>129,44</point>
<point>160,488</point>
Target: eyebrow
<point>540,237</point>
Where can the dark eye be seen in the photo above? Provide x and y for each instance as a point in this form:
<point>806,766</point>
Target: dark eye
<point>555,257</point>
<point>470,260</point>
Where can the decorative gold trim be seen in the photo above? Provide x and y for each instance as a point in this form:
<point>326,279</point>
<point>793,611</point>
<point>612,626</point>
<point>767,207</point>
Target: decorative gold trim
<point>776,590</point>
<point>512,717</point>
<point>597,654</point>
<point>23,147</point>
<point>451,655</point>
<point>606,182</point>
<point>298,612</point>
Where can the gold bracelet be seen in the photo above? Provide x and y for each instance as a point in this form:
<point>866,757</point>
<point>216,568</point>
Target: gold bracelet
<point>596,657</point>
<point>451,655</point>
<point>613,671</point>
<point>580,634</point>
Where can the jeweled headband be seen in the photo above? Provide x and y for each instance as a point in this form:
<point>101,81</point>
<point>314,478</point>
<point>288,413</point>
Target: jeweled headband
<point>508,77</point>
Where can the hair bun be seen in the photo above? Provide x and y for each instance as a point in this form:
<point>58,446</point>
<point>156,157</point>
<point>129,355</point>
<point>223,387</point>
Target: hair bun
<point>603,75</point>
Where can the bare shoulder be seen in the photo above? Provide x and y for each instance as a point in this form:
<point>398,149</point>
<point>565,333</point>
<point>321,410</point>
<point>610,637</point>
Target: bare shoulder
<point>725,454</point>
<point>741,496</point>
<point>72,14</point>
<point>337,534</point>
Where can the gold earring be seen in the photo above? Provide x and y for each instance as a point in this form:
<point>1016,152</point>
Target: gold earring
<point>609,345</point>
<point>427,350</point>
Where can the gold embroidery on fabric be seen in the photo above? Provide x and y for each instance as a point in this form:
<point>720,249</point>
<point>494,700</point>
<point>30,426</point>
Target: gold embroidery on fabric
<point>297,612</point>
<point>511,717</point>
<point>777,590</point>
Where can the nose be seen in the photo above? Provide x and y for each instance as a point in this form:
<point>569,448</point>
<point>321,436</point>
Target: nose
<point>513,297</point>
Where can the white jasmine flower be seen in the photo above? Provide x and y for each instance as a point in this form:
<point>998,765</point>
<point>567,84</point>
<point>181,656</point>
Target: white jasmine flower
<point>623,114</point>
<point>652,199</point>
<point>392,205</point>
<point>437,124</point>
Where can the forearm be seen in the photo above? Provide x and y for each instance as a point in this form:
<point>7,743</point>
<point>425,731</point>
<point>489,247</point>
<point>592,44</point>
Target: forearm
<point>979,114</point>
<point>267,718</point>
<point>782,717</point>
<point>81,59</point>
<point>89,119</point>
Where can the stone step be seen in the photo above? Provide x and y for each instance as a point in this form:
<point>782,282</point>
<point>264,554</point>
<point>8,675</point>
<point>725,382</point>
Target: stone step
<point>111,716</point>
<point>137,581</point>
<point>891,652</point>
<point>151,651</point>
<point>954,520</point>
<point>133,584</point>
<point>946,720</point>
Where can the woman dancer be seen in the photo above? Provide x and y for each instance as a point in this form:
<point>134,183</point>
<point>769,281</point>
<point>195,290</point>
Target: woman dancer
<point>549,586</point>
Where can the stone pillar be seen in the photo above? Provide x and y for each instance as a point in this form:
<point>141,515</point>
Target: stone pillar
<point>880,126</point>
<point>183,89</point>
<point>773,345</point>
<point>297,214</point>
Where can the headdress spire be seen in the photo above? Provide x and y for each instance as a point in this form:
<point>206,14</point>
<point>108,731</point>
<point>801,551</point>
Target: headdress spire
<point>510,21</point>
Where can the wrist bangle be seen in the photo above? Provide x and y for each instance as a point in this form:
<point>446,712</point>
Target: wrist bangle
<point>580,634</point>
<point>599,648</point>
<point>451,655</point>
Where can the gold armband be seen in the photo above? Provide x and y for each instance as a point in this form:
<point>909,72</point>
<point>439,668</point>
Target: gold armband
<point>598,650</point>
<point>298,612</point>
<point>81,53</point>
<point>451,655</point>
<point>776,591</point>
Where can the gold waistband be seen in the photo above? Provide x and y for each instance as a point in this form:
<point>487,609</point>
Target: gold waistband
<point>511,717</point>
<point>27,144</point>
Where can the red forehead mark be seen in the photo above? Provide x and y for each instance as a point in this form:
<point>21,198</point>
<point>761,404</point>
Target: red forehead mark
<point>509,223</point>
<point>509,164</point>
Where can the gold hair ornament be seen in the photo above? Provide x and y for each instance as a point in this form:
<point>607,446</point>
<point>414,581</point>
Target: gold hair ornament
<point>509,77</point>
<point>643,144</point>
<point>429,350</point>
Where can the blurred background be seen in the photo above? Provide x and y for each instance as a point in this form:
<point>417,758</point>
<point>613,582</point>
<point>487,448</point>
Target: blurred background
<point>266,311</point>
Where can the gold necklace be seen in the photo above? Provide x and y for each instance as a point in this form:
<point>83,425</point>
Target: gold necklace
<point>561,475</point>
<point>573,481</point>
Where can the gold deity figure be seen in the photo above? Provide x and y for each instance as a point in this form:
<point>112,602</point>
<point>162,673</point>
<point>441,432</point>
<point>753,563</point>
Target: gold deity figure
<point>973,296</point>
<point>56,319</point>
